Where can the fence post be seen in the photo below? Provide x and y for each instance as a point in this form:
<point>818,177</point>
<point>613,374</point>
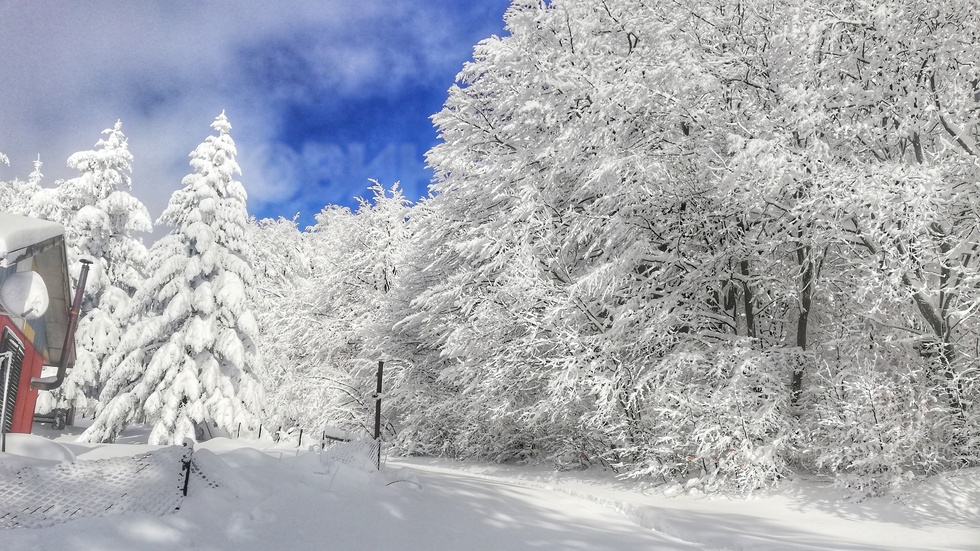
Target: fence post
<point>377,412</point>
<point>300,438</point>
<point>186,461</point>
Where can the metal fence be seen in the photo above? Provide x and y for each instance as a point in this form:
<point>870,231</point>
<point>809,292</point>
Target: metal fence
<point>35,496</point>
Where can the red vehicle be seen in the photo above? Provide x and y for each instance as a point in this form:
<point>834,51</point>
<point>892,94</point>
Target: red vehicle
<point>37,323</point>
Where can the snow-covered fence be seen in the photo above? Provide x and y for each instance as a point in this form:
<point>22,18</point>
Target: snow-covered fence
<point>298,435</point>
<point>328,440</point>
<point>361,454</point>
<point>334,443</point>
<point>35,496</point>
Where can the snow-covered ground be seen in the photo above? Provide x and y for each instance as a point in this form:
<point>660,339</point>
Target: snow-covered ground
<point>276,496</point>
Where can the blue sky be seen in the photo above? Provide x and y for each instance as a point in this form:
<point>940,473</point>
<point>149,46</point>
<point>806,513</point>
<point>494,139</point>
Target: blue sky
<point>321,94</point>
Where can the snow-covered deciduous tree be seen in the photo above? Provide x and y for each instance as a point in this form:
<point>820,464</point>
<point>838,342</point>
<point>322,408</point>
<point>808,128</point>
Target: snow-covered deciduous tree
<point>283,263</point>
<point>325,323</point>
<point>190,356</point>
<point>899,83</point>
<point>681,238</point>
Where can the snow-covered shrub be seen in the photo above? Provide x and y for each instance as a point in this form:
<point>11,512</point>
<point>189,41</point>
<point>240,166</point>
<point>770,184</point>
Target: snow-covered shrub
<point>878,423</point>
<point>966,452</point>
<point>716,420</point>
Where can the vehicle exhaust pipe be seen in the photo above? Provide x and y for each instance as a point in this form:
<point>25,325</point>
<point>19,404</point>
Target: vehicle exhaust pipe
<point>67,350</point>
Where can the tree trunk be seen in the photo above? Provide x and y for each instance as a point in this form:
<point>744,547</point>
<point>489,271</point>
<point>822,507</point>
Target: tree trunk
<point>747,300</point>
<point>802,320</point>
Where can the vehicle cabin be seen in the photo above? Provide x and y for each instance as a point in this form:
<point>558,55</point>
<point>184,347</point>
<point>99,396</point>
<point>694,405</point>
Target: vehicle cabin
<point>36,324</point>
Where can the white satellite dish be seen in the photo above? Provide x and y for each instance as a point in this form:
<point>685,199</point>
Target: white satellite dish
<point>24,295</point>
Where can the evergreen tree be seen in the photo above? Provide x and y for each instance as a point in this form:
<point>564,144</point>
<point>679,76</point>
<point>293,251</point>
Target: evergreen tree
<point>32,190</point>
<point>18,196</point>
<point>102,220</point>
<point>28,198</point>
<point>191,356</point>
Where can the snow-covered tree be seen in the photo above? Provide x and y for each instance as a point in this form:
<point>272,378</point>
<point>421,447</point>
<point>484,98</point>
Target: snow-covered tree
<point>20,196</point>
<point>282,273</point>
<point>682,238</point>
<point>28,198</point>
<point>190,357</point>
<point>325,366</point>
<point>32,189</point>
<point>103,221</point>
<point>45,202</point>
<point>898,85</point>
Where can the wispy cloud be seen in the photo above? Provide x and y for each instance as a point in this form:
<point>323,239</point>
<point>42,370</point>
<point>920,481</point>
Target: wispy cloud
<point>316,90</point>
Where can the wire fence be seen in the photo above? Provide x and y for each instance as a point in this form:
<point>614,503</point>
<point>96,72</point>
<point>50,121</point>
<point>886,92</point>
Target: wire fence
<point>154,483</point>
<point>332,442</point>
<point>289,435</point>
<point>37,496</point>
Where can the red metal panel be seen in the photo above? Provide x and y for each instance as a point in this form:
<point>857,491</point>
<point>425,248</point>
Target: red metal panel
<point>23,418</point>
<point>27,398</point>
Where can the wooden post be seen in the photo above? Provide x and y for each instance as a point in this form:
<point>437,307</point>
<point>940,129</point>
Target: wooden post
<point>377,412</point>
<point>187,474</point>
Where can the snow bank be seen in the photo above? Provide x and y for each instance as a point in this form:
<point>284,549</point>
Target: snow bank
<point>41,496</point>
<point>251,497</point>
<point>29,448</point>
<point>941,513</point>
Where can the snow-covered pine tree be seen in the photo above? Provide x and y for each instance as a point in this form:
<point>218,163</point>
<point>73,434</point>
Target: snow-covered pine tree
<point>7,196</point>
<point>16,196</point>
<point>42,202</point>
<point>102,219</point>
<point>32,189</point>
<point>191,357</point>
<point>28,198</point>
<point>11,200</point>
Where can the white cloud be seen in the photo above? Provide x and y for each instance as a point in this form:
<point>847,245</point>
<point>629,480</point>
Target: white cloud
<point>167,68</point>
